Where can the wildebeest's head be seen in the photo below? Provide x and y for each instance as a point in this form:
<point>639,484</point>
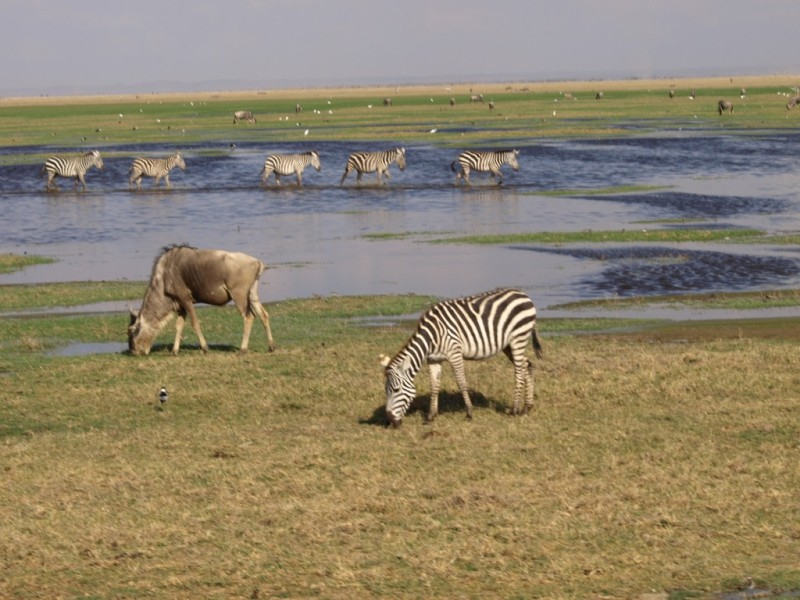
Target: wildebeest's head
<point>140,335</point>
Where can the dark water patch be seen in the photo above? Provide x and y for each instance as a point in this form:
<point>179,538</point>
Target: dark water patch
<point>646,271</point>
<point>692,206</point>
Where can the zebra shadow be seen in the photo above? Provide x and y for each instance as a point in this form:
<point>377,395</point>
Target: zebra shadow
<point>449,402</point>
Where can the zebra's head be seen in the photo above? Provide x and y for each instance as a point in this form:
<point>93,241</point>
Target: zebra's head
<point>401,158</point>
<point>400,390</point>
<point>96,160</point>
<point>179,161</point>
<point>512,159</point>
<point>315,160</point>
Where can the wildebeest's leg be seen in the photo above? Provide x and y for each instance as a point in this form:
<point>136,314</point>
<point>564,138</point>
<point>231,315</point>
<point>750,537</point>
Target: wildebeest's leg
<point>188,308</point>
<point>435,370</point>
<point>179,323</point>
<point>255,307</point>
<point>457,362</point>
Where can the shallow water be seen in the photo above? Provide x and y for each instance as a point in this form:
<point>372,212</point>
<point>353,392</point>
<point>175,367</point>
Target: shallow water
<point>313,238</point>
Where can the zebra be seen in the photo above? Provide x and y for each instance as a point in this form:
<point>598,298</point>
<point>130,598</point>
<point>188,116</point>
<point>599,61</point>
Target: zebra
<point>243,115</point>
<point>472,328</point>
<point>476,98</point>
<point>369,162</point>
<point>286,164</point>
<point>484,161</point>
<point>154,167</point>
<point>75,168</point>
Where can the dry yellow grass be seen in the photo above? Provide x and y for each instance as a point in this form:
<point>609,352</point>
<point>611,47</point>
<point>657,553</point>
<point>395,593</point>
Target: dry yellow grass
<point>667,467</point>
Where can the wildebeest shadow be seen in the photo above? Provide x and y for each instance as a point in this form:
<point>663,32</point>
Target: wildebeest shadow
<point>449,402</point>
<point>190,348</point>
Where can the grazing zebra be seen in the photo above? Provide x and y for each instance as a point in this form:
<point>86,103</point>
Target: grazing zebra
<point>75,168</point>
<point>484,161</point>
<point>286,164</point>
<point>154,167</point>
<point>471,328</point>
<point>368,162</point>
<point>476,98</point>
<point>243,115</point>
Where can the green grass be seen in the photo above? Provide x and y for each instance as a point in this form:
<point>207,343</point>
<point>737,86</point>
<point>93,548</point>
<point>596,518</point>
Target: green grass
<point>717,300</point>
<point>15,262</point>
<point>30,297</point>
<point>617,236</point>
<point>271,475</point>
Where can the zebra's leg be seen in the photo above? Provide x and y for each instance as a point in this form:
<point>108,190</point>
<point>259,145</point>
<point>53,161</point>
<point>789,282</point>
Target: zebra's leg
<point>465,175</point>
<point>386,172</point>
<point>497,174</point>
<point>158,180</point>
<point>457,363</point>
<point>166,181</point>
<point>347,170</point>
<point>299,178</point>
<point>50,186</point>
<point>435,371</point>
<point>359,176</point>
<point>277,178</point>
<point>79,178</point>
<point>523,382</point>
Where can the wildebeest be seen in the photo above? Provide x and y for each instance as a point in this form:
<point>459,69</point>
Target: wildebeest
<point>387,101</point>
<point>243,115</point>
<point>476,98</point>
<point>725,105</point>
<point>298,108</point>
<point>182,276</point>
<point>792,102</point>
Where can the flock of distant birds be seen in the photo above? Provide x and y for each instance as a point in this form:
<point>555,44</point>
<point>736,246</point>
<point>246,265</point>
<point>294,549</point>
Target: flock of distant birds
<point>294,164</point>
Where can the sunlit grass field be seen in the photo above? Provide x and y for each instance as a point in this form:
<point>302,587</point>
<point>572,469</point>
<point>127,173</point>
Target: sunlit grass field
<point>659,462</point>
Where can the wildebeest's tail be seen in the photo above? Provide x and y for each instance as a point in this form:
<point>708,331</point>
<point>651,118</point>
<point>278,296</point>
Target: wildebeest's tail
<point>537,344</point>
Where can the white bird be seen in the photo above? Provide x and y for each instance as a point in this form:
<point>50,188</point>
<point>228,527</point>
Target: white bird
<point>163,395</point>
<point>433,130</point>
<point>305,132</point>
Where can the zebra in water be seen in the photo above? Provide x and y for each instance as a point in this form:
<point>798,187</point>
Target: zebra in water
<point>74,168</point>
<point>154,167</point>
<point>286,164</point>
<point>472,328</point>
<point>369,162</point>
<point>484,161</point>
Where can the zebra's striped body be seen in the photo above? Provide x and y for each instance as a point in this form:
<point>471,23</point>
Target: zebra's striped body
<point>154,167</point>
<point>471,328</point>
<point>370,162</point>
<point>470,160</point>
<point>287,164</point>
<point>74,168</point>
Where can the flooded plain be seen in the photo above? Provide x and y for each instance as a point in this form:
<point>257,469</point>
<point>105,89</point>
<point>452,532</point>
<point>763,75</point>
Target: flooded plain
<point>329,239</point>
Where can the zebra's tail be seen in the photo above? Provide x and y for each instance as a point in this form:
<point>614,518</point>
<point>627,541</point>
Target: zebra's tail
<point>453,166</point>
<point>43,171</point>
<point>537,343</point>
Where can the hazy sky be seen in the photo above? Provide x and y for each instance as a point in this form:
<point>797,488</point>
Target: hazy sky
<point>86,46</point>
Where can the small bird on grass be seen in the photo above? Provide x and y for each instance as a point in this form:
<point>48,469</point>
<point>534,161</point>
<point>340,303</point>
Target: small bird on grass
<point>163,395</point>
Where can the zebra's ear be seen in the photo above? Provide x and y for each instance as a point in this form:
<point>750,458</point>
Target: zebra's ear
<point>385,360</point>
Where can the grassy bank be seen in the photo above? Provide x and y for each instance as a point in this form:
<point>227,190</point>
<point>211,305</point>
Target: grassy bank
<point>645,466</point>
<point>522,110</point>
